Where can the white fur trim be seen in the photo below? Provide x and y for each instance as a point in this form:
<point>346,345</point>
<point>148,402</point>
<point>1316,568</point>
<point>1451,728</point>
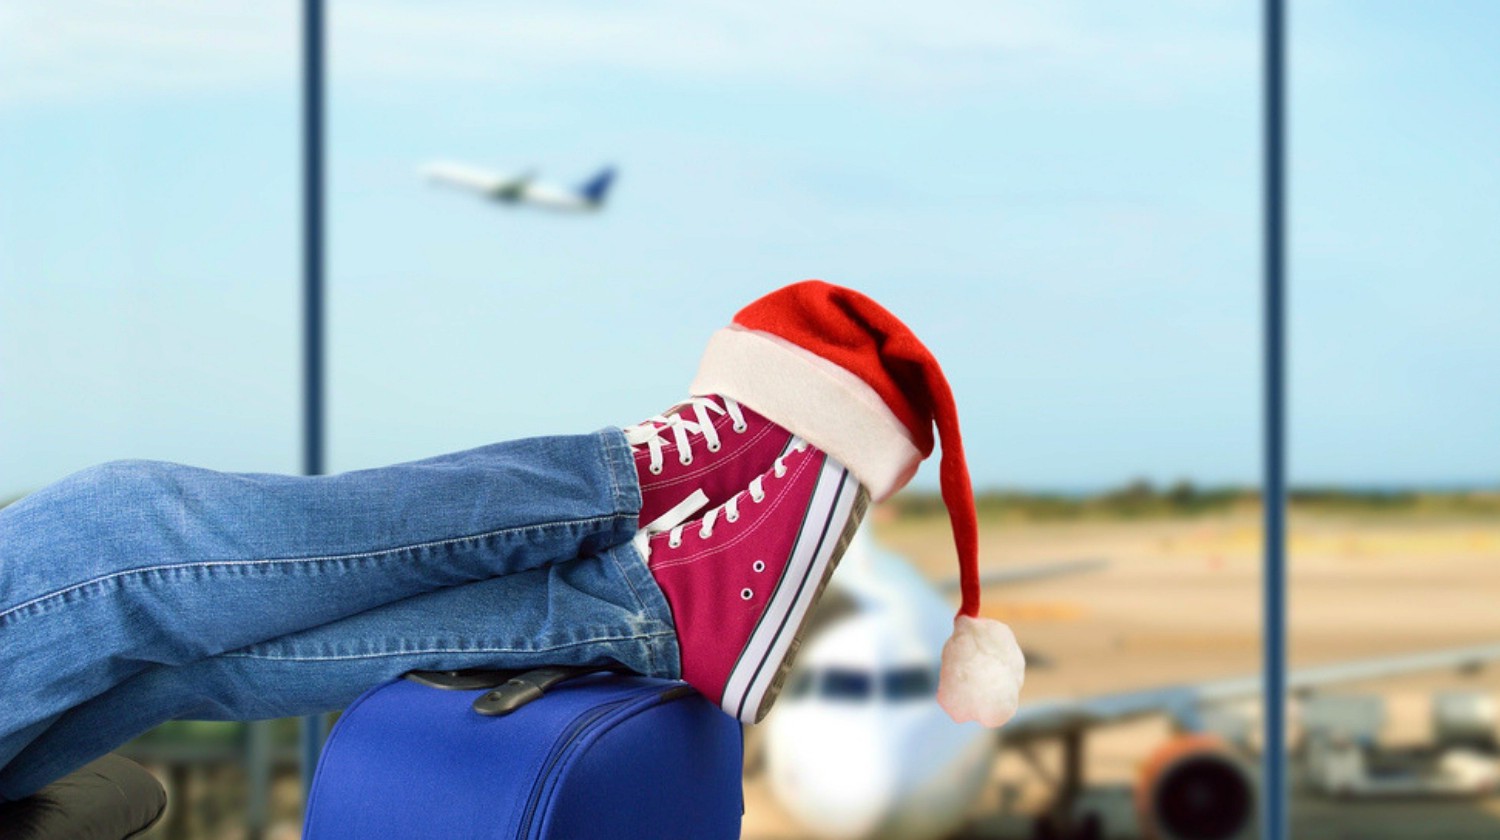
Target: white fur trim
<point>983,670</point>
<point>815,399</point>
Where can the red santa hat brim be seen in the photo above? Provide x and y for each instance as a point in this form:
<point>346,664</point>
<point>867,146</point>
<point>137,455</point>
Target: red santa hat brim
<point>820,401</point>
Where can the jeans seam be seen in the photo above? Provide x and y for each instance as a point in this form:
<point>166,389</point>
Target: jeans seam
<point>651,654</point>
<point>640,605</point>
<point>6,615</point>
<point>614,474</point>
<point>621,467</point>
<point>433,650</point>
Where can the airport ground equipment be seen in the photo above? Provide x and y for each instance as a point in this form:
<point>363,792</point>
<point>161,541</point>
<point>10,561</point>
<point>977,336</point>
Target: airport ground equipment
<point>111,798</point>
<point>1343,756</point>
<point>1465,719</point>
<point>1346,769</point>
<point>554,753</point>
<point>1353,718</point>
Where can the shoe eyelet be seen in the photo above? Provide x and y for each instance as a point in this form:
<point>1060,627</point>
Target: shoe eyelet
<point>655,470</point>
<point>704,533</point>
<point>779,470</point>
<point>715,447</point>
<point>731,517</point>
<point>674,541</point>
<point>741,428</point>
<point>746,594</point>
<point>759,566</point>
<point>757,499</point>
<point>685,460</point>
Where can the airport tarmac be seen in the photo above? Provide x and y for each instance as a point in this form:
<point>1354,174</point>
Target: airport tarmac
<point>1180,602</point>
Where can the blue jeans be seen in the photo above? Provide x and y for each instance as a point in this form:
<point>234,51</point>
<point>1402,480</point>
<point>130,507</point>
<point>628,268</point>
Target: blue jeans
<point>139,592</point>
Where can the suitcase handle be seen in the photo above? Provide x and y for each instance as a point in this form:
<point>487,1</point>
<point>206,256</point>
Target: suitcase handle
<point>509,690</point>
<point>531,685</point>
<point>459,680</point>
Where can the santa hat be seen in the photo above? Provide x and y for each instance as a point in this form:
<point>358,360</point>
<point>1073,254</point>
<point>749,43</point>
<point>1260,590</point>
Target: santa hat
<point>837,369</point>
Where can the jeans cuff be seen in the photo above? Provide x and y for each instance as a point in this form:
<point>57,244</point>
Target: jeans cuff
<point>665,653</point>
<point>625,485</point>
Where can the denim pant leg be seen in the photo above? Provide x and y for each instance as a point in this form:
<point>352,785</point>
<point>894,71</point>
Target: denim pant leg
<point>601,610</point>
<point>134,565</point>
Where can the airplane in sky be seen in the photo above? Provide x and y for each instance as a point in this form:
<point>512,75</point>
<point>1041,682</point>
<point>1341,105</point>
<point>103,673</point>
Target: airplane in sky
<point>523,188</point>
<point>858,747</point>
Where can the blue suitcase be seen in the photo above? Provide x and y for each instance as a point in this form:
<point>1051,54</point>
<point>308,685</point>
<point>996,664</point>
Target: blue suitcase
<point>484,755</point>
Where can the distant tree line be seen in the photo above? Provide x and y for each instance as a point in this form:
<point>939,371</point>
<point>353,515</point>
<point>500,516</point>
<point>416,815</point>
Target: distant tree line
<point>1140,499</point>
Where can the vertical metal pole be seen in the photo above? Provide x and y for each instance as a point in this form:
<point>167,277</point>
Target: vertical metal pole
<point>258,770</point>
<point>312,292</point>
<point>312,235</point>
<point>1274,788</point>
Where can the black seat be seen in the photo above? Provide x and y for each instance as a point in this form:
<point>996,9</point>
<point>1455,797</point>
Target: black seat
<point>110,799</point>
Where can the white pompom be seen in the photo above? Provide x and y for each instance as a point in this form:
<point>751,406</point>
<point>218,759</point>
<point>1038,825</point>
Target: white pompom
<point>983,669</point>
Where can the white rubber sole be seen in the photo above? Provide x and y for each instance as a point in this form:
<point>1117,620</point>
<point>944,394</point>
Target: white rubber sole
<point>832,516</point>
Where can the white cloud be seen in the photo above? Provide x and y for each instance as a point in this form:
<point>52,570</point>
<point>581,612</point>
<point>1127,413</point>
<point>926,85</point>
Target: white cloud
<point>112,48</point>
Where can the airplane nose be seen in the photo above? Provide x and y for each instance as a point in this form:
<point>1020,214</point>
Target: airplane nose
<point>849,795</point>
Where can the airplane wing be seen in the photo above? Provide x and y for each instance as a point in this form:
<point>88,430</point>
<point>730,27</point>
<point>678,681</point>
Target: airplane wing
<point>478,180</point>
<point>1056,717</point>
<point>1002,575</point>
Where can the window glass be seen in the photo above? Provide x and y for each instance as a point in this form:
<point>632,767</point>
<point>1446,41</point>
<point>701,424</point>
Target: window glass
<point>1059,199</point>
<point>842,684</point>
<point>1395,540</point>
<point>148,238</point>
<point>909,684</point>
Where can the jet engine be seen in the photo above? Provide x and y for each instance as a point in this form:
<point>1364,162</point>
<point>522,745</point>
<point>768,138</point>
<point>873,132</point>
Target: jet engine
<point>1195,788</point>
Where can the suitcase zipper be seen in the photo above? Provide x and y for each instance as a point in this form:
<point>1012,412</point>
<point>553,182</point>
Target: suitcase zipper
<point>574,733</point>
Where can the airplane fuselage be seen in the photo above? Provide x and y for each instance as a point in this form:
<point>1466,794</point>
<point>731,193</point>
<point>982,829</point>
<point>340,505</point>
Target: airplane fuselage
<point>544,197</point>
<point>522,189</point>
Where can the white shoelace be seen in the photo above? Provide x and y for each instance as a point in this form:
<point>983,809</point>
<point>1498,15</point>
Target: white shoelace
<point>652,433</point>
<point>731,508</point>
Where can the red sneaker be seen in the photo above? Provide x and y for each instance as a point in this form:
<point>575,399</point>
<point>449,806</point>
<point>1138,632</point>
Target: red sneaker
<point>697,454</point>
<point>742,581</point>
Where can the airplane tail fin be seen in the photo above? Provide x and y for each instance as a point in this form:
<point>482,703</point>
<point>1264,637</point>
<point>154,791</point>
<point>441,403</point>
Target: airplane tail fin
<point>596,188</point>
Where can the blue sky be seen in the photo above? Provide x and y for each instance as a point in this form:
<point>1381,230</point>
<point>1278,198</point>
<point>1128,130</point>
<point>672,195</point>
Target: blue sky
<point>1060,198</point>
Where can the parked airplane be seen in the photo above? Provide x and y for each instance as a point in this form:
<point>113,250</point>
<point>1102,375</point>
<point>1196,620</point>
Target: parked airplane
<point>858,747</point>
<point>523,188</point>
